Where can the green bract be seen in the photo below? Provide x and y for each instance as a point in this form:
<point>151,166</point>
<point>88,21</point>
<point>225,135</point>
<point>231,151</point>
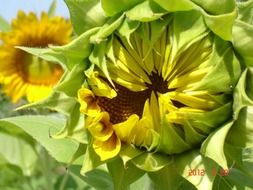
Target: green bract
<point>188,62</point>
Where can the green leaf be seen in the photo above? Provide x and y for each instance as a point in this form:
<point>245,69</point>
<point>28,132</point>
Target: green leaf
<point>192,135</point>
<point>243,92</point>
<point>97,57</point>
<point>227,69</point>
<point>45,53</point>
<point>188,27</point>
<point>240,158</point>
<point>107,29</point>
<point>52,8</point>
<point>128,27</point>
<point>208,121</point>
<point>73,80</point>
<point>170,141</point>
<point>123,175</point>
<point>219,17</point>
<point>213,146</point>
<point>4,25</point>
<point>99,178</point>
<point>74,127</point>
<point>245,13</point>
<point>142,183</point>
<point>249,84</point>
<point>85,14</point>
<point>82,185</point>
<point>168,178</point>
<point>18,152</point>
<point>241,134</point>
<point>247,157</point>
<point>57,101</point>
<point>76,51</point>
<point>78,156</point>
<point>10,175</point>
<point>128,152</point>
<point>91,160</point>
<point>40,127</point>
<point>113,7</point>
<point>18,133</point>
<point>152,162</point>
<point>173,6</point>
<point>197,169</point>
<point>68,55</point>
<point>235,179</point>
<point>215,7</point>
<point>244,47</point>
<point>239,142</point>
<point>145,11</point>
<point>221,25</point>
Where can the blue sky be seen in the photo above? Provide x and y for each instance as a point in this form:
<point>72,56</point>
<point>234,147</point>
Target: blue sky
<point>9,8</point>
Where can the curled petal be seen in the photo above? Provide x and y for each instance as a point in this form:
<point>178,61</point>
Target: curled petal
<point>144,135</point>
<point>99,86</point>
<point>124,129</point>
<point>88,102</point>
<point>107,149</point>
<point>100,126</point>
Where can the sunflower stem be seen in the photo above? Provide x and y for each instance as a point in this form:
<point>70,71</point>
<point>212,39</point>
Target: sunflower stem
<point>64,181</point>
<point>46,169</point>
<point>29,183</point>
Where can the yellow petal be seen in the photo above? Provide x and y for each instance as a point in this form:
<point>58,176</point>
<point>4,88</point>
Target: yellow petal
<point>124,79</point>
<point>88,102</point>
<point>99,86</point>
<point>107,149</point>
<point>124,129</point>
<point>139,132</point>
<point>35,93</point>
<point>151,111</point>
<point>129,62</point>
<point>180,115</point>
<point>165,104</point>
<point>154,109</point>
<point>191,77</point>
<point>192,101</point>
<point>159,55</point>
<point>100,127</point>
<point>175,117</point>
<point>144,135</point>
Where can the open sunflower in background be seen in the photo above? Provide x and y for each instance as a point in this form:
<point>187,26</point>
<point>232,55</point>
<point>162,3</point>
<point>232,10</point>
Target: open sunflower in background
<point>163,88</point>
<point>23,74</point>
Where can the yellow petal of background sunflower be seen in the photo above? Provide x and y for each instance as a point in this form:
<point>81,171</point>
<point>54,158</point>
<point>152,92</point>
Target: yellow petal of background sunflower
<point>23,74</point>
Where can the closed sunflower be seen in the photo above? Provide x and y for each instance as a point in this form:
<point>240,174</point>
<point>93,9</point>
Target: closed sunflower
<point>163,88</point>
